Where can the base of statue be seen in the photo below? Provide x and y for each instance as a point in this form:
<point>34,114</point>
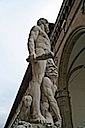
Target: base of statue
<point>38,125</point>
<point>23,124</point>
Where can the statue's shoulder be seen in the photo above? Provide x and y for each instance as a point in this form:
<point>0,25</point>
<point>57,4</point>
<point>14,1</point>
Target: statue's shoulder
<point>35,28</point>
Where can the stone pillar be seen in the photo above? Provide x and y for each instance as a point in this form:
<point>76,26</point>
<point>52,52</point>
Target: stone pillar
<point>65,108</point>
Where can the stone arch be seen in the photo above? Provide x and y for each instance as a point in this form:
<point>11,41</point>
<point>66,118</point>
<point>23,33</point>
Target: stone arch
<point>70,42</point>
<point>63,93</point>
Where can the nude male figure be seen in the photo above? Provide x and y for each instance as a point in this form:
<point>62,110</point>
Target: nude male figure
<point>38,44</point>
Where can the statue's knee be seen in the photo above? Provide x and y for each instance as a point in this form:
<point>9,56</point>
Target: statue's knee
<point>46,81</point>
<point>39,79</point>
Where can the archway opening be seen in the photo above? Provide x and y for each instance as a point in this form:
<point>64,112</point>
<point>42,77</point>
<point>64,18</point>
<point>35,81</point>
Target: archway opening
<point>76,82</point>
<point>72,72</point>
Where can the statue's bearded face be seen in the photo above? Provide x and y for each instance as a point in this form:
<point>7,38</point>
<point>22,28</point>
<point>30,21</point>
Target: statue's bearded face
<point>46,25</point>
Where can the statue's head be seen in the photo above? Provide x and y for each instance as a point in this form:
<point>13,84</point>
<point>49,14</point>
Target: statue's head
<point>26,101</point>
<point>43,22</point>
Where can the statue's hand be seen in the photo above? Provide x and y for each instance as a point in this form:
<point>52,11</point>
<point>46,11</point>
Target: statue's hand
<point>32,57</point>
<point>52,54</point>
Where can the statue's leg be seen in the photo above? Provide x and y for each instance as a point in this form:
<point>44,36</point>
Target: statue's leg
<point>49,94</point>
<point>38,70</point>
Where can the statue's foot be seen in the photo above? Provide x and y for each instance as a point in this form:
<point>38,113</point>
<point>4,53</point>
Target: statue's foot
<point>39,119</point>
<point>21,126</point>
<point>24,124</point>
<point>58,123</point>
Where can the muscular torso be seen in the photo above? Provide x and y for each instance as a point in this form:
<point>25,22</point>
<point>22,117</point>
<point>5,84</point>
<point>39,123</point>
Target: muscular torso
<point>43,41</point>
<point>38,41</point>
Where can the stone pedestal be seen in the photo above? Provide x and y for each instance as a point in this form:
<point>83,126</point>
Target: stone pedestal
<point>41,125</point>
<point>23,124</point>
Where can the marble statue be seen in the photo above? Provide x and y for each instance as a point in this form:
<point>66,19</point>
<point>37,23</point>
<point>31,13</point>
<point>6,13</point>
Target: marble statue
<point>38,44</point>
<point>40,105</point>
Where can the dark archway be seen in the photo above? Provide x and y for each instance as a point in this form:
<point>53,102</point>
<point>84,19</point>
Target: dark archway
<point>64,72</point>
